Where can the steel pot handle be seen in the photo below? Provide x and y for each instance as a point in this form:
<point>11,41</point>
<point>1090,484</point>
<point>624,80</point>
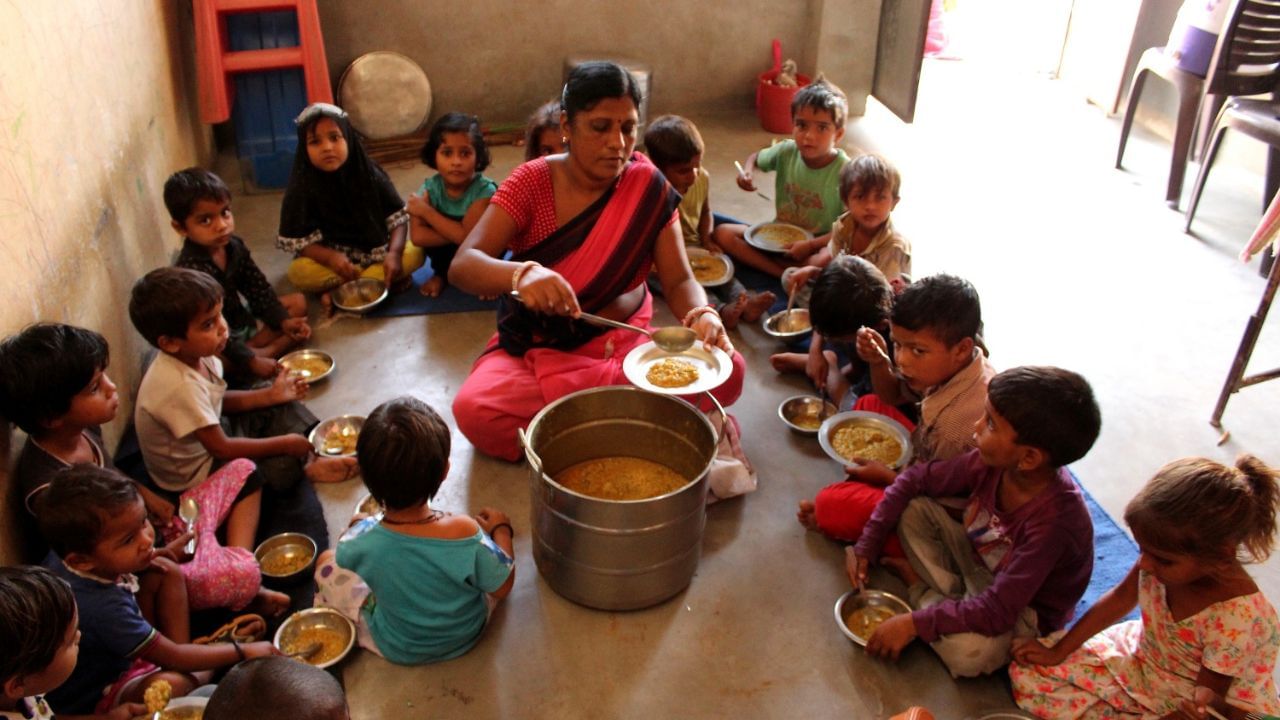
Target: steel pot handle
<point>724,417</point>
<point>534,461</point>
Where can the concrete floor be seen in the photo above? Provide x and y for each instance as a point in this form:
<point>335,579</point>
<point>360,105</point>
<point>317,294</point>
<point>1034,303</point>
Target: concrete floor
<point>1078,265</point>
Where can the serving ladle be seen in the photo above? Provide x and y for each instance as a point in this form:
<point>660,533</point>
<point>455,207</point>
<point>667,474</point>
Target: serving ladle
<point>674,339</point>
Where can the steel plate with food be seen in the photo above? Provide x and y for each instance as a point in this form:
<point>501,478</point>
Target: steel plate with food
<point>320,636</point>
<point>337,436</point>
<point>620,478</point>
<point>310,365</point>
<point>709,269</point>
<point>775,236</point>
<point>712,368</point>
<point>859,613</point>
<point>865,436</point>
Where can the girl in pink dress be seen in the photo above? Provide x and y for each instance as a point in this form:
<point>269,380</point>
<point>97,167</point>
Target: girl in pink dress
<point>1206,633</point>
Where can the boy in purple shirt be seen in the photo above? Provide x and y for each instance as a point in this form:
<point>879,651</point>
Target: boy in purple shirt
<point>1019,560</point>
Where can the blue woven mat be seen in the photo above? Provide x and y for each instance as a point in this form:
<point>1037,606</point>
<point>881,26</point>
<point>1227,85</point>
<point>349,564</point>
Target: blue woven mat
<point>1114,553</point>
<point>412,302</point>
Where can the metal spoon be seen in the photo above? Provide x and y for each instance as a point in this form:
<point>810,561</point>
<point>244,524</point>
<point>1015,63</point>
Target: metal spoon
<point>673,339</point>
<point>306,652</point>
<point>189,510</point>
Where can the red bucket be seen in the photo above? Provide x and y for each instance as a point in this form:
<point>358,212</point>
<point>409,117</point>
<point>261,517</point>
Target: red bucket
<point>773,102</point>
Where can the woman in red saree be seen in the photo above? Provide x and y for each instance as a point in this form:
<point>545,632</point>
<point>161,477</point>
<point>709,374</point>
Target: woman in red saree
<point>584,229</point>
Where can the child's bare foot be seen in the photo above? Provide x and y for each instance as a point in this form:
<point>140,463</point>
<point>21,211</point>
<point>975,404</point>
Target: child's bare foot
<point>806,517</point>
<point>788,362</point>
<point>758,305</point>
<point>432,287</point>
<point>331,469</point>
<point>731,311</point>
<point>270,603</point>
<point>902,568</point>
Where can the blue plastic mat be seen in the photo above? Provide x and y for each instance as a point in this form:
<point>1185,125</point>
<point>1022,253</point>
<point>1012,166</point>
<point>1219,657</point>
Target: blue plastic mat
<point>1114,553</point>
<point>412,302</point>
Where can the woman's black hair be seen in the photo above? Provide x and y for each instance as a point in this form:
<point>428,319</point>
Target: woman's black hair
<point>36,609</point>
<point>591,82</point>
<point>459,123</point>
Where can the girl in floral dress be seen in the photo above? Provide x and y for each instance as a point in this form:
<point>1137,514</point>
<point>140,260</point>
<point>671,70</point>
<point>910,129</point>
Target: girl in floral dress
<point>1206,630</point>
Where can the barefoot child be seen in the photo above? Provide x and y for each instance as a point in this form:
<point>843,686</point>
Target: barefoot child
<point>184,445</point>
<point>199,204</point>
<point>935,326</point>
<point>870,187</point>
<point>341,216</point>
<point>450,202</point>
<point>675,146</point>
<point>98,527</point>
<point>1020,559</point>
<point>807,187</point>
<point>1206,634</point>
<point>40,632</point>
<point>419,583</point>
<point>542,135</point>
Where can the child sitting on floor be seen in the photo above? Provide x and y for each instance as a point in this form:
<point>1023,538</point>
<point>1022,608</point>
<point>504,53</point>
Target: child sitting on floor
<point>849,294</point>
<point>200,205</point>
<point>870,187</point>
<point>419,583</point>
<point>1207,633</point>
<point>1020,559</point>
<point>341,216</point>
<point>258,688</point>
<point>935,325</point>
<point>450,202</point>
<point>675,146</point>
<point>188,452</point>
<point>807,187</point>
<point>542,134</point>
<point>41,637</point>
<point>98,527</point>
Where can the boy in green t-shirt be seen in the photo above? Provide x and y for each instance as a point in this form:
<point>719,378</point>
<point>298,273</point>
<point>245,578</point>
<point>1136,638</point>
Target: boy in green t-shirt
<point>808,175</point>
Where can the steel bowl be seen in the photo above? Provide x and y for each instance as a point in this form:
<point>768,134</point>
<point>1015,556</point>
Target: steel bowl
<point>360,295</point>
<point>184,708</point>
<point>332,437</point>
<point>293,548</point>
<point>788,325</point>
<point>852,601</point>
<point>312,365</point>
<point>316,619</point>
<point>864,419</point>
<point>804,413</point>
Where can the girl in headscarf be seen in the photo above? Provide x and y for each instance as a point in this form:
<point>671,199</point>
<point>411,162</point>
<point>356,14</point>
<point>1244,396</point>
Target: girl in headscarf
<point>341,216</point>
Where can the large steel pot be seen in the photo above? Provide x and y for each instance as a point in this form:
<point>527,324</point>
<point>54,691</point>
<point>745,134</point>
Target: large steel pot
<point>611,554</point>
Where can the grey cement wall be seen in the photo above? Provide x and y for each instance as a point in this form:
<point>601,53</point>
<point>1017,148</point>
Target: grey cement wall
<point>501,59</point>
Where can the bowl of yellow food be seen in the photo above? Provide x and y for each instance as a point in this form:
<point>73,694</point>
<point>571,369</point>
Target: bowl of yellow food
<point>788,324</point>
<point>360,295</point>
<point>368,505</point>
<point>859,613</point>
<point>310,365</point>
<point>320,636</point>
<point>184,708</point>
<point>804,413</point>
<point>859,435</point>
<point>709,269</point>
<point>337,436</point>
<point>775,236</point>
<point>287,557</point>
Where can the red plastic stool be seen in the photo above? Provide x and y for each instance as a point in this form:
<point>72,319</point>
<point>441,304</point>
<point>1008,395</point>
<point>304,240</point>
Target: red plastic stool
<point>215,64</point>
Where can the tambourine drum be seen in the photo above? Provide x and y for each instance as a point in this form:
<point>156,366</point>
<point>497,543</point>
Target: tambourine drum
<point>386,94</point>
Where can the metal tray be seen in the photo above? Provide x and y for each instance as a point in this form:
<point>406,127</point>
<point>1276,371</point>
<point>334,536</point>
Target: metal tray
<point>714,368</point>
<point>723,277</point>
<point>758,236</point>
<point>867,419</point>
